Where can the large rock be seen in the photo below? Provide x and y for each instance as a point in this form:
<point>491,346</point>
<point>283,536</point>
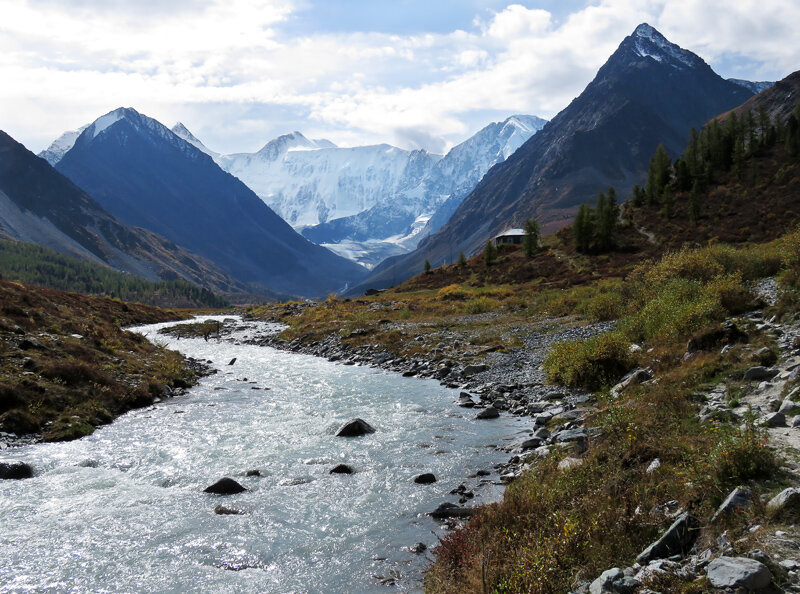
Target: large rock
<point>473,369</point>
<point>614,581</point>
<point>425,479</point>
<point>738,572</point>
<point>678,539</point>
<point>738,499</point>
<point>489,412</point>
<point>15,470</point>
<point>225,486</point>
<point>355,428</point>
<point>451,510</point>
<point>760,373</point>
<point>634,378</point>
<point>787,501</point>
<point>341,469</point>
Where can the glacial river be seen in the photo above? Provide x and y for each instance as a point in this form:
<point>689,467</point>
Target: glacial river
<point>123,510</point>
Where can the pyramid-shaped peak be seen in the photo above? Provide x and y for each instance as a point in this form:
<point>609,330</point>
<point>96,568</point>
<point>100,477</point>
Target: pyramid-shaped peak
<point>650,43</point>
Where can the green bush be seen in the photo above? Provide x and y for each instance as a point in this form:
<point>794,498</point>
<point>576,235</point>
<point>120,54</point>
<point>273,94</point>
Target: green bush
<point>592,363</point>
<point>481,305</point>
<point>604,306</point>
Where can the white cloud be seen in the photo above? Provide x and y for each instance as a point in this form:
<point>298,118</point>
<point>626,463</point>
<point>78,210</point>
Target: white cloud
<point>228,67</point>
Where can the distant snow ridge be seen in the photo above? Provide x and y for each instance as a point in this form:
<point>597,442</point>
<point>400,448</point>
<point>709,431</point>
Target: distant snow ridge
<point>61,145</point>
<point>753,86</point>
<point>368,202</point>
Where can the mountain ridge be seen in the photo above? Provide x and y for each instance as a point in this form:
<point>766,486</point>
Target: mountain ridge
<point>146,175</point>
<point>649,91</point>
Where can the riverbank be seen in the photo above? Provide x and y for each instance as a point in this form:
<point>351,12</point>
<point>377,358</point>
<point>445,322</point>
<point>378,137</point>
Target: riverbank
<point>68,367</point>
<point>603,472</point>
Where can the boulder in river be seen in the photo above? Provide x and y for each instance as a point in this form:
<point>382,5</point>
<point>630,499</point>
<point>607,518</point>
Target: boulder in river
<point>355,428</point>
<point>341,469</point>
<point>15,470</point>
<point>225,486</point>
<point>489,412</point>
<point>425,479</point>
<point>222,510</point>
<point>451,510</point>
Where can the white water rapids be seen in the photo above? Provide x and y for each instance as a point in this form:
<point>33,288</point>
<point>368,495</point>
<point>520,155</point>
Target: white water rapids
<point>123,510</point>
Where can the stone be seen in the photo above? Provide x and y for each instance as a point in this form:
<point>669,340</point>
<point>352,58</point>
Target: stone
<point>786,501</point>
<point>614,581</point>
<point>796,421</point>
<point>222,510</point>
<point>225,486</point>
<point>531,444</point>
<point>738,572</point>
<point>569,462</point>
<point>418,548</point>
<point>466,401</point>
<point>341,469</point>
<point>232,361</point>
<point>677,539</point>
<point>253,472</point>
<point>737,500</point>
<point>789,407</point>
<point>425,479</point>
<point>355,428</point>
<point>635,377</point>
<point>776,419</point>
<point>451,510</point>
<point>15,470</point>
<point>759,373</point>
<point>653,466</point>
<point>766,356</point>
<point>489,412</point>
<point>473,369</point>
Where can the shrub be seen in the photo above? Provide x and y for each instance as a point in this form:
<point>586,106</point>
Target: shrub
<point>452,293</point>
<point>686,264</point>
<point>481,305</point>
<point>592,363</point>
<point>604,306</point>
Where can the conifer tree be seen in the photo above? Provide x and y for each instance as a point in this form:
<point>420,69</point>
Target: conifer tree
<point>666,202</point>
<point>427,267</point>
<point>607,213</point>
<point>530,243</point>
<point>694,202</point>
<point>582,228</point>
<point>489,253</point>
<point>462,259</point>
<point>638,195</point>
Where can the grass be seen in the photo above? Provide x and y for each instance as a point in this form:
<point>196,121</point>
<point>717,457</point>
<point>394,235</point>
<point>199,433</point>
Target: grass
<point>68,367</point>
<point>556,527</point>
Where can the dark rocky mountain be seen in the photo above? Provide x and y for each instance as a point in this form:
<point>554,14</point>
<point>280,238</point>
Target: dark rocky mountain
<point>650,91</point>
<point>778,100</point>
<point>39,205</point>
<point>147,176</point>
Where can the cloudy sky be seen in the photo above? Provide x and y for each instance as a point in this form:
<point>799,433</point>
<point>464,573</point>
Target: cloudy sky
<point>415,73</point>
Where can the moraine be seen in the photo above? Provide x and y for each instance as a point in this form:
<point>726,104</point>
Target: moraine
<point>123,510</point>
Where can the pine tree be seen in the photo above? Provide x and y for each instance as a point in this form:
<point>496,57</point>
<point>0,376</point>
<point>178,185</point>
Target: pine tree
<point>694,202</point>
<point>531,241</point>
<point>462,259</point>
<point>427,267</point>
<point>489,253</point>
<point>666,202</point>
<point>638,195</point>
<point>583,228</point>
<point>607,213</point>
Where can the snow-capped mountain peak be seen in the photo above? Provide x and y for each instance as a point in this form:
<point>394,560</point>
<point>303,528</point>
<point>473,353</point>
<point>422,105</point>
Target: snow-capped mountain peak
<point>183,132</point>
<point>59,147</point>
<point>295,141</point>
<point>648,42</point>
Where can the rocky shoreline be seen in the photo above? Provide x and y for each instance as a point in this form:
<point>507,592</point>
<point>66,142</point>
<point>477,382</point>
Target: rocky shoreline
<point>507,382</point>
